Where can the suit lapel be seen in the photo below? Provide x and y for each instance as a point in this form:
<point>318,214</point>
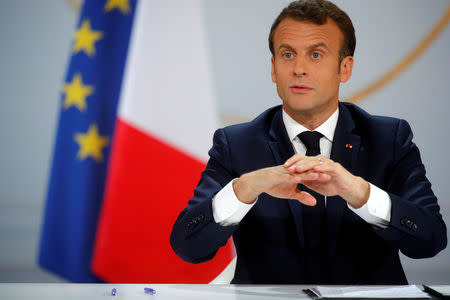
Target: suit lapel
<point>345,150</point>
<point>280,145</point>
<point>282,150</point>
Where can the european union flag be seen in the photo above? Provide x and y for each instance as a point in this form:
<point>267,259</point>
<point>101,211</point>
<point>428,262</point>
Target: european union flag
<point>89,101</point>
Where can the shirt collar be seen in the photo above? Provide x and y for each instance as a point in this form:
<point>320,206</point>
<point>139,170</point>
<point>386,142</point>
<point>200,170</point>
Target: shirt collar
<point>327,128</point>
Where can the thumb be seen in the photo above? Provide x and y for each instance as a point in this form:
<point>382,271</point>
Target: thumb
<point>305,198</point>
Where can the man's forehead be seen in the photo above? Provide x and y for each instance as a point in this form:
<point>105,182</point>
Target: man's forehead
<point>293,32</point>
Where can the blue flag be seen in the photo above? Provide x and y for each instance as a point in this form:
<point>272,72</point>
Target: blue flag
<point>89,101</point>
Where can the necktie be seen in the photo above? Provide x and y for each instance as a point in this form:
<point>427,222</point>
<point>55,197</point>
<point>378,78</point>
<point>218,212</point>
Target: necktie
<point>311,141</point>
<point>313,218</point>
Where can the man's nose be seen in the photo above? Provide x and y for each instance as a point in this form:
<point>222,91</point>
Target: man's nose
<point>300,67</point>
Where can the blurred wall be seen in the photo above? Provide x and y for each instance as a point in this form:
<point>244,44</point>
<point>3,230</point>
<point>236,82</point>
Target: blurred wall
<point>35,39</point>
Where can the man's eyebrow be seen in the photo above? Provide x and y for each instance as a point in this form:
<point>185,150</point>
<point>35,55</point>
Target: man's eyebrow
<point>286,46</point>
<point>319,45</point>
<point>314,46</point>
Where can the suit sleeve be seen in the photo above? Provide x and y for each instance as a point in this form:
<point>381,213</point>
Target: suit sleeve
<point>195,236</point>
<point>416,226</point>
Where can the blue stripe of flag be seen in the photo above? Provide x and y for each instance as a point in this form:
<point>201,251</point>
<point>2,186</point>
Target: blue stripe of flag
<point>76,185</point>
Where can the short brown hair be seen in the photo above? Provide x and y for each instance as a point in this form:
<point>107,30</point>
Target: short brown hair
<point>317,12</point>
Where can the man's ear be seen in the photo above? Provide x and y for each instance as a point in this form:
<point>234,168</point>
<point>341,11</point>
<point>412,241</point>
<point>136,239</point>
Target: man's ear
<point>346,68</point>
<point>274,77</point>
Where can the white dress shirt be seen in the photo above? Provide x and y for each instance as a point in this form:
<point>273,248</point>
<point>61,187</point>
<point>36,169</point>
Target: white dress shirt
<point>228,210</point>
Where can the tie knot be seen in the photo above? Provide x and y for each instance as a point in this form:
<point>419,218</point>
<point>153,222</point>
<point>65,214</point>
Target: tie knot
<point>311,141</point>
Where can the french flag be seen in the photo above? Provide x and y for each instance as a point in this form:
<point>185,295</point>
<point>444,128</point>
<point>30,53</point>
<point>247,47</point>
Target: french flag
<point>118,228</point>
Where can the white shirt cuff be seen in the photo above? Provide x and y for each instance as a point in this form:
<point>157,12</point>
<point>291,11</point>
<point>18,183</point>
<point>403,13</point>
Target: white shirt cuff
<point>226,207</point>
<point>377,210</point>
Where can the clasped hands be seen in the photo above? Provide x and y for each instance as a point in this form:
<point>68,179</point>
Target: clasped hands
<point>318,173</point>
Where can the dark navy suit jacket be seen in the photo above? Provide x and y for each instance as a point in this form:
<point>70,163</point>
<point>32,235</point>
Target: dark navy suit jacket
<point>269,240</point>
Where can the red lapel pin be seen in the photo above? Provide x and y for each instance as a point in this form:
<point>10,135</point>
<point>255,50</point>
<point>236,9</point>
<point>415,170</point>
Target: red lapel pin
<point>349,146</point>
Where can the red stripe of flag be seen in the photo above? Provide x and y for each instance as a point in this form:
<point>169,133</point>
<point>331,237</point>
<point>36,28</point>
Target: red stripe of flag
<point>148,184</point>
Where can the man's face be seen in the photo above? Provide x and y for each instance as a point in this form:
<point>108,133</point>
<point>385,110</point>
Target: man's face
<point>306,68</point>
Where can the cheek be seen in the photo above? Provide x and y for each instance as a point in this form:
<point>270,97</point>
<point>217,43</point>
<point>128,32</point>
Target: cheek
<point>332,78</point>
<point>279,89</point>
<point>277,78</point>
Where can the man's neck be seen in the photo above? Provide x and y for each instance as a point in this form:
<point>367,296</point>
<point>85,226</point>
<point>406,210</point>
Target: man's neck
<point>312,120</point>
<point>327,128</point>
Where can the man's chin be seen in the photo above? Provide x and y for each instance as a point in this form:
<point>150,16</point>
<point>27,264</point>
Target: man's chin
<point>300,109</point>
<point>309,108</point>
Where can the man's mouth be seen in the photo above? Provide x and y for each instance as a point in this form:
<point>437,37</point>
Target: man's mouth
<point>300,88</point>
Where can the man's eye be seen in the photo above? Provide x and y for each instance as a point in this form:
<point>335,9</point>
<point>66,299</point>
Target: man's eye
<point>316,55</point>
<point>287,55</point>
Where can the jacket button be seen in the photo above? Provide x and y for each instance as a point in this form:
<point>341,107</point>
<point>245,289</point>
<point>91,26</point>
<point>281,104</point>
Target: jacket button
<point>201,218</point>
<point>195,221</point>
<point>408,223</point>
<point>198,219</point>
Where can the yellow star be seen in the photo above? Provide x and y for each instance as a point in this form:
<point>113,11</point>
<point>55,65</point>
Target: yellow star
<point>91,144</point>
<point>122,5</point>
<point>85,39</point>
<point>76,93</point>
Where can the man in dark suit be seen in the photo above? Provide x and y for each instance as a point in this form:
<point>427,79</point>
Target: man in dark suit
<point>313,191</point>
